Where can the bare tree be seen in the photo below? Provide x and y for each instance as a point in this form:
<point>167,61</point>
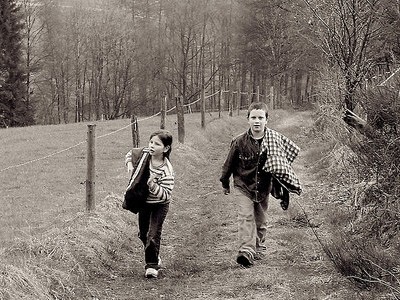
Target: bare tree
<point>34,30</point>
<point>346,30</point>
<point>184,49</point>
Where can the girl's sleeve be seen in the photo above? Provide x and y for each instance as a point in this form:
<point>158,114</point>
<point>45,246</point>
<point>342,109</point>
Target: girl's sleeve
<point>128,157</point>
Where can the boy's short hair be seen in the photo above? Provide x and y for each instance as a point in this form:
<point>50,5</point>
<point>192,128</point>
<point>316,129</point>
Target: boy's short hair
<point>258,105</point>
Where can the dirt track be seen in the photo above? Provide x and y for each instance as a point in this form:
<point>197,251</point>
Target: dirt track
<point>199,242</point>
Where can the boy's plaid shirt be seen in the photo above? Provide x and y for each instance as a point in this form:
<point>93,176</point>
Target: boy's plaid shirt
<point>281,152</point>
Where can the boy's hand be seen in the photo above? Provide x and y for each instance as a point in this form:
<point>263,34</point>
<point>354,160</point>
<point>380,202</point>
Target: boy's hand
<point>227,191</point>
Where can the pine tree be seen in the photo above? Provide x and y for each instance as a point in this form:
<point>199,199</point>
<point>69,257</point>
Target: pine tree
<point>13,109</point>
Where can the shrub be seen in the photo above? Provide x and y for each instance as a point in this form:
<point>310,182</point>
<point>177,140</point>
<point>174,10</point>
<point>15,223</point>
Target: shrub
<point>364,244</point>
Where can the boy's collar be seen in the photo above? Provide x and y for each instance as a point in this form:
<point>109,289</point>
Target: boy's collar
<point>251,133</point>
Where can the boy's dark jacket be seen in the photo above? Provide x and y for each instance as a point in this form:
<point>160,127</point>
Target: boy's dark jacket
<point>137,189</point>
<point>247,161</point>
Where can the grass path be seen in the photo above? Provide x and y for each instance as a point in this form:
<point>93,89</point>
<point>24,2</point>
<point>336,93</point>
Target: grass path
<point>199,242</point>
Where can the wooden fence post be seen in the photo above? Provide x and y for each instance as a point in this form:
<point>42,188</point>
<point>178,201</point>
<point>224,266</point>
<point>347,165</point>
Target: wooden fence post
<point>180,119</point>
<point>271,97</point>
<point>91,169</point>
<point>163,112</point>
<point>239,102</point>
<point>230,102</point>
<point>135,132</point>
<point>203,108</point>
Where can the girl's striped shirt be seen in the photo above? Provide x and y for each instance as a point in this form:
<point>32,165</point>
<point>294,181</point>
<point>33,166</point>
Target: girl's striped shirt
<point>161,190</point>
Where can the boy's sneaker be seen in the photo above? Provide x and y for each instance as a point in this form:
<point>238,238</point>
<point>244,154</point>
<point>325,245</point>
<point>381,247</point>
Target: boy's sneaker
<point>259,255</point>
<point>244,259</point>
<point>261,248</point>
<point>151,273</point>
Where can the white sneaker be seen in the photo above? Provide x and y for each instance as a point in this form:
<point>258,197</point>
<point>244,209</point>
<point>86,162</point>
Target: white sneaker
<point>261,248</point>
<point>151,273</point>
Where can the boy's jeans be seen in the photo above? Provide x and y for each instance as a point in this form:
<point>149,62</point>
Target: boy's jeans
<point>151,220</point>
<point>252,223</point>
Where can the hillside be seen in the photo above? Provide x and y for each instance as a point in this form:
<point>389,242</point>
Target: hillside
<point>97,256</point>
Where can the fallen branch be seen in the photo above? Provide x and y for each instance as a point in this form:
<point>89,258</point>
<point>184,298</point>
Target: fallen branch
<point>358,123</point>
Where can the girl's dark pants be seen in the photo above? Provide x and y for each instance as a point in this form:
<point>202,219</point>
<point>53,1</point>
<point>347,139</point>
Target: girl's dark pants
<point>151,220</point>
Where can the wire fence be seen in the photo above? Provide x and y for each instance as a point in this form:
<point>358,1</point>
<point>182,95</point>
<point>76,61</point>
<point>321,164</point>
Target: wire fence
<point>188,105</point>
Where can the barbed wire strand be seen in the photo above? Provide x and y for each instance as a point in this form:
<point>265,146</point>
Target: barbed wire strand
<point>129,125</point>
<point>42,158</point>
<point>314,231</point>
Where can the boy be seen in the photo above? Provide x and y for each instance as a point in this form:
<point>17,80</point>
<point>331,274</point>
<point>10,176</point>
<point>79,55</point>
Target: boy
<point>259,160</point>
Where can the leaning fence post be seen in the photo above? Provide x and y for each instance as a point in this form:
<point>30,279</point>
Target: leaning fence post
<point>135,131</point>
<point>90,199</point>
<point>239,102</point>
<point>163,112</point>
<point>219,102</point>
<point>203,108</point>
<point>180,120</point>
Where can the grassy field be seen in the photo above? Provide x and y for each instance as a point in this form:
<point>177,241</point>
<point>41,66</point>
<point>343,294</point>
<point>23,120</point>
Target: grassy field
<point>54,250</point>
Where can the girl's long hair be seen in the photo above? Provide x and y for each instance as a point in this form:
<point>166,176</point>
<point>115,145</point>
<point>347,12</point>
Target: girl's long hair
<point>166,138</point>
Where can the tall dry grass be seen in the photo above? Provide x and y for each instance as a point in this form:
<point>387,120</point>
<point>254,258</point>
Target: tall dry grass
<point>54,264</point>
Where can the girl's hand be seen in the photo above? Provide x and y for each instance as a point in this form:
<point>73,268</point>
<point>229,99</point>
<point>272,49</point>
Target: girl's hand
<point>152,181</point>
<point>129,166</point>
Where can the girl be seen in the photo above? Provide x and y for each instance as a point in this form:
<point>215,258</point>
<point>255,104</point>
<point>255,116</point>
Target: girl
<point>158,175</point>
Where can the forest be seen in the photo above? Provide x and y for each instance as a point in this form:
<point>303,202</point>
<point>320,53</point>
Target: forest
<point>87,60</point>
<point>69,61</point>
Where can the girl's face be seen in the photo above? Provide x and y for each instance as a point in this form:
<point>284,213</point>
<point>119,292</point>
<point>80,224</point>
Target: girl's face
<point>157,147</point>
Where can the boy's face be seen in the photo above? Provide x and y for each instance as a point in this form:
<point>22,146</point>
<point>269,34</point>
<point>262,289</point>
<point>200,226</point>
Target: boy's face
<point>257,121</point>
